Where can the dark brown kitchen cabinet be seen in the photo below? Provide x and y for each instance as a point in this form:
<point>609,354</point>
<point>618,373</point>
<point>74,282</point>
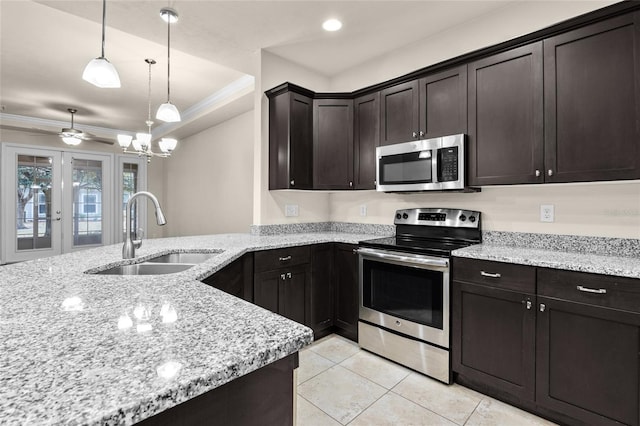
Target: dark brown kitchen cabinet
<point>505,112</point>
<point>443,103</point>
<point>235,278</point>
<point>366,137</point>
<point>321,295</point>
<point>493,327</point>
<point>281,278</point>
<point>588,344</point>
<point>346,291</point>
<point>290,138</point>
<point>592,102</point>
<point>333,143</point>
<point>400,113</point>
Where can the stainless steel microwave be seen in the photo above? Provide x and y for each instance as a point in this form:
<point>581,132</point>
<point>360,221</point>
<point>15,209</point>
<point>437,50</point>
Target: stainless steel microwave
<point>425,165</point>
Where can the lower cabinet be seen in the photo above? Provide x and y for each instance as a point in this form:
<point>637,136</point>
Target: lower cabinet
<point>320,303</point>
<point>236,278</point>
<point>346,300</point>
<point>568,349</point>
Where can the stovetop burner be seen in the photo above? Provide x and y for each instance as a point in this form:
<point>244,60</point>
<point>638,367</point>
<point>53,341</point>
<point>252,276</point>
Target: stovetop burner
<point>431,231</point>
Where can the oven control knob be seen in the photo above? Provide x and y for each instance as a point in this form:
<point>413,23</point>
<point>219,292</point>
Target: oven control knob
<point>398,216</point>
<point>463,218</point>
<point>405,216</point>
<point>472,219</point>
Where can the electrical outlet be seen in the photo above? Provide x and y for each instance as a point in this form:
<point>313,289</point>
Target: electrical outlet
<point>546,213</point>
<point>291,210</point>
<point>363,210</point>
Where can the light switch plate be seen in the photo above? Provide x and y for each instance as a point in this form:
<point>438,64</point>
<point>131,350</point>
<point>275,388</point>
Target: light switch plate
<point>547,213</point>
<point>291,210</point>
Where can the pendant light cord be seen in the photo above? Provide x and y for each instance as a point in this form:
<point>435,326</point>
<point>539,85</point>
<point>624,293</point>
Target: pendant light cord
<point>104,13</point>
<point>168,59</point>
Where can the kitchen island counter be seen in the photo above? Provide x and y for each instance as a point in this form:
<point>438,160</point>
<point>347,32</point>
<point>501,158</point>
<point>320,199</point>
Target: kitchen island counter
<point>79,348</point>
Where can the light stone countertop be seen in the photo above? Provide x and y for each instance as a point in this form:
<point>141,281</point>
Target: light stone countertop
<point>99,349</point>
<point>622,266</point>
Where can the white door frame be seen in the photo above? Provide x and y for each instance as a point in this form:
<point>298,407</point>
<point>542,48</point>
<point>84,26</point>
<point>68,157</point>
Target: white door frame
<point>121,159</point>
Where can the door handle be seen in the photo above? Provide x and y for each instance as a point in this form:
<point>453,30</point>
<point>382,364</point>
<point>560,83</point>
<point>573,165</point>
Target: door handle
<point>490,274</point>
<point>592,290</point>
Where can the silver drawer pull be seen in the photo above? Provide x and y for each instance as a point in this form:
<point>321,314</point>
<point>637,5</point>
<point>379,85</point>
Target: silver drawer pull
<point>284,259</point>
<point>592,290</point>
<point>489,274</point>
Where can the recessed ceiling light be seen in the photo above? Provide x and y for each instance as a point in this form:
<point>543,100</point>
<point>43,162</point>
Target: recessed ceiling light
<point>332,25</point>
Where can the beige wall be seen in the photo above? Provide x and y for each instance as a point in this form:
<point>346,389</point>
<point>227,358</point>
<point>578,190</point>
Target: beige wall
<point>269,205</point>
<point>208,181</point>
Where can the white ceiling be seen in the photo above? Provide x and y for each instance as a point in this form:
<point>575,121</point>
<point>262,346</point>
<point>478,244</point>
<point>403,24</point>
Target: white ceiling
<point>44,46</point>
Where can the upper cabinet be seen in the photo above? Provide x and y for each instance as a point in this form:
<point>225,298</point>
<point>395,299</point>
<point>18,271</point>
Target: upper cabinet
<point>505,142</point>
<point>366,137</point>
<point>592,102</point>
<point>333,143</point>
<point>432,106</point>
<point>290,139</point>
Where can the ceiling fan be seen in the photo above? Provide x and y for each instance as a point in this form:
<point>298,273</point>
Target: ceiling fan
<point>71,135</point>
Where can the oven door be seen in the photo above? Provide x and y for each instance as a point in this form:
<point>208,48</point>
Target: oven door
<point>405,293</point>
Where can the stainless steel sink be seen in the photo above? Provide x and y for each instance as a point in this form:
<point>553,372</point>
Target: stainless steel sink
<point>146,269</point>
<point>192,258</point>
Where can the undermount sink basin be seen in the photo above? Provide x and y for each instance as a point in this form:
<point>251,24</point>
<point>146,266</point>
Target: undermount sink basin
<point>146,269</point>
<point>187,257</point>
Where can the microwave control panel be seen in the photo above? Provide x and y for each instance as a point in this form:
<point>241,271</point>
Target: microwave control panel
<point>448,164</point>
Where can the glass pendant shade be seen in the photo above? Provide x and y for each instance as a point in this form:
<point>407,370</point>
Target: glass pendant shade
<point>124,140</point>
<point>101,73</point>
<point>168,113</point>
<point>168,144</point>
<point>136,145</point>
<point>71,140</point>
<point>144,139</point>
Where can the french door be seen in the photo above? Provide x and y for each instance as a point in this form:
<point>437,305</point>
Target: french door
<point>54,202</point>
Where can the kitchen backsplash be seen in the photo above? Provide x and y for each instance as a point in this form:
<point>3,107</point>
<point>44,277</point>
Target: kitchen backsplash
<point>347,227</point>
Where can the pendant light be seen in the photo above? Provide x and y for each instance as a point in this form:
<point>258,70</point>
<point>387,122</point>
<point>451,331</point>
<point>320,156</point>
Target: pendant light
<point>142,143</point>
<point>99,71</point>
<point>168,112</point>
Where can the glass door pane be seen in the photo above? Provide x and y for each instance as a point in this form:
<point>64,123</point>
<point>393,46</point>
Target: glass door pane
<point>31,186</point>
<point>131,178</point>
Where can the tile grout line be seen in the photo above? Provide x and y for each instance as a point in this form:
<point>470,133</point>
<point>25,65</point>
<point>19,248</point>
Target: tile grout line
<point>428,409</point>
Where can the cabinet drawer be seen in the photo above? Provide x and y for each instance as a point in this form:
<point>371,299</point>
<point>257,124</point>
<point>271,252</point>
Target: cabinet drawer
<point>268,260</point>
<point>600,290</point>
<point>495,274</point>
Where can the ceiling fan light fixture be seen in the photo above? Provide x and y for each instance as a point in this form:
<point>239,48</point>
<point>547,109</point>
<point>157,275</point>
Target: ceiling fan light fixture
<point>99,71</point>
<point>168,113</point>
<point>71,140</point>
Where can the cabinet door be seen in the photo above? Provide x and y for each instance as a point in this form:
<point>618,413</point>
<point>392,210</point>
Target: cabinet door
<point>346,290</point>
<point>265,289</point>
<point>592,97</point>
<point>235,278</point>
<point>587,362</point>
<point>399,113</point>
<point>291,294</point>
<point>290,141</point>
<point>506,118</point>
<point>333,144</point>
<point>493,339</point>
<point>443,103</point>
<point>320,300</point>
<point>366,138</point>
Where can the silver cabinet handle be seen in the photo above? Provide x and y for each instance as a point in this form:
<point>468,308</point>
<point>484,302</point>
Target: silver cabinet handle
<point>284,259</point>
<point>350,184</point>
<point>542,307</point>
<point>550,172</point>
<point>528,304</point>
<point>282,277</point>
<point>592,290</point>
<point>289,275</point>
<point>490,274</point>
<point>293,182</point>
<point>421,133</point>
<point>415,134</point>
<point>537,173</point>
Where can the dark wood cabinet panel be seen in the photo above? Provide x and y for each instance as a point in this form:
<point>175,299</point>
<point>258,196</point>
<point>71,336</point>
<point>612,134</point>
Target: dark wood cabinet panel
<point>235,278</point>
<point>366,137</point>
<point>320,299</point>
<point>291,295</point>
<point>290,141</point>
<point>399,113</point>
<point>265,289</point>
<point>592,102</point>
<point>346,291</point>
<point>587,362</point>
<point>493,339</point>
<point>267,260</point>
<point>333,143</point>
<point>443,103</point>
<point>505,143</point>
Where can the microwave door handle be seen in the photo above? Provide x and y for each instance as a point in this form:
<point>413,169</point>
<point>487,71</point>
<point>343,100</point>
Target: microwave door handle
<point>434,165</point>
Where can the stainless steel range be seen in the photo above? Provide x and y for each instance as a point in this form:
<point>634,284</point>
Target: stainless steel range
<point>404,287</point>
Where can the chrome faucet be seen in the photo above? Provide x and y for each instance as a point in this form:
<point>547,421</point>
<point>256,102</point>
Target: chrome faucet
<point>130,245</point>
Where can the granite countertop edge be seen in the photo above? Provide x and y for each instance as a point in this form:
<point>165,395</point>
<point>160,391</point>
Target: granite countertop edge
<point>621,266</point>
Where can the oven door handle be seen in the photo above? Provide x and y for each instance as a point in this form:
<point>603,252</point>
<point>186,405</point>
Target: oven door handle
<point>427,261</point>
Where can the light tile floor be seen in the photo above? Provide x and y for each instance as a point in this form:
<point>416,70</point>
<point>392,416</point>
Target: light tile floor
<point>340,384</point>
